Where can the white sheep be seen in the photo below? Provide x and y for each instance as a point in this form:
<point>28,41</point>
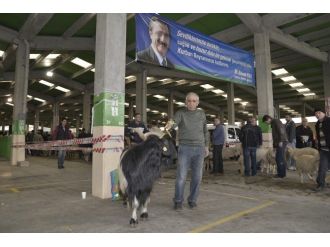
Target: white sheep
<point>307,161</point>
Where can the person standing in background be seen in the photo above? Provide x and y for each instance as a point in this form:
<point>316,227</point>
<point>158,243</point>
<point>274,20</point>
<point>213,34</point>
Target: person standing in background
<point>218,139</point>
<point>62,132</point>
<point>290,128</point>
<point>304,135</point>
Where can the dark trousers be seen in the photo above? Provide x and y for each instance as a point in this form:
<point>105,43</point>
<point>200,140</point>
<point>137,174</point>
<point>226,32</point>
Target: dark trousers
<point>217,159</point>
<point>249,154</point>
<point>323,167</point>
<point>281,164</point>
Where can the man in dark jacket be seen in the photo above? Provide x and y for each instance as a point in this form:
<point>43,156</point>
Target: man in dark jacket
<point>62,132</point>
<point>304,135</point>
<point>251,138</point>
<point>322,128</point>
<point>136,123</point>
<point>290,128</point>
<point>218,139</point>
<point>280,141</point>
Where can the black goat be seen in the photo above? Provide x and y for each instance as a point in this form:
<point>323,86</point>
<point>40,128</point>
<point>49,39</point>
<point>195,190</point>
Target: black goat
<point>140,166</point>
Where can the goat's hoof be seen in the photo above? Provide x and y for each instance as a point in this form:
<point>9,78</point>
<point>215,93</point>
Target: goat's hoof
<point>144,216</point>
<point>133,222</point>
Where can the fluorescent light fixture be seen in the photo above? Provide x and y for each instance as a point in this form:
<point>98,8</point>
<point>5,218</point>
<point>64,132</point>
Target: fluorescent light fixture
<point>126,104</point>
<point>134,106</point>
<point>166,80</point>
<point>301,90</point>
<point>46,83</point>
<point>212,115</point>
<point>148,109</point>
<point>224,95</point>
<point>10,100</point>
<point>286,108</point>
<point>9,104</point>
<point>65,90</point>
<point>164,113</point>
<point>217,91</point>
<point>126,116</point>
<point>38,99</point>
<point>49,73</point>
<point>206,86</point>
<point>244,102</point>
<point>76,110</point>
<point>155,111</point>
<point>66,109</point>
<point>149,78</point>
<point>281,106</point>
<point>237,99</point>
<point>52,56</point>
<point>62,103</point>
<point>76,103</point>
<point>288,78</point>
<point>29,96</point>
<point>309,94</point>
<point>93,70</point>
<point>1,53</point>
<point>297,84</point>
<point>281,71</point>
<point>182,81</point>
<point>34,56</point>
<point>199,108</point>
<point>130,77</point>
<point>159,96</point>
<point>179,103</point>
<point>80,62</point>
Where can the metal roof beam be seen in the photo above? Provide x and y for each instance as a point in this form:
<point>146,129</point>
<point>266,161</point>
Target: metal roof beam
<point>7,34</point>
<point>82,21</point>
<point>60,43</point>
<point>33,25</point>
<point>315,35</point>
<point>307,24</point>
<point>278,19</point>
<point>255,23</point>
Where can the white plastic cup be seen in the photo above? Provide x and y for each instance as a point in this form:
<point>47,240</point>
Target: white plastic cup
<point>83,195</point>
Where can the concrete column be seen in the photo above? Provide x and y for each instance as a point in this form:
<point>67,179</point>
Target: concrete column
<point>77,125</point>
<point>56,115</point>
<point>222,115</point>
<point>230,103</point>
<point>87,112</point>
<point>20,94</point>
<point>36,120</point>
<point>109,99</point>
<point>326,84</point>
<point>277,111</point>
<point>264,83</point>
<point>170,105</point>
<point>130,110</point>
<point>141,95</point>
<point>303,110</point>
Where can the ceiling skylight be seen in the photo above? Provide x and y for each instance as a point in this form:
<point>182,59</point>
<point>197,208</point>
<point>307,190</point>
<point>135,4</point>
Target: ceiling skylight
<point>80,62</point>
<point>34,56</point>
<point>297,84</point>
<point>217,91</point>
<point>207,86</point>
<point>53,56</point>
<point>301,90</point>
<point>46,83</point>
<point>309,94</point>
<point>38,99</point>
<point>65,90</point>
<point>281,71</point>
<point>288,78</point>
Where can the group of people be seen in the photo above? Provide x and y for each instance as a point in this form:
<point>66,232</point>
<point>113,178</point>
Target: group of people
<point>287,134</point>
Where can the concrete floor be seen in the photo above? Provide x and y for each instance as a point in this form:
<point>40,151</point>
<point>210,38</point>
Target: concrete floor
<point>41,198</point>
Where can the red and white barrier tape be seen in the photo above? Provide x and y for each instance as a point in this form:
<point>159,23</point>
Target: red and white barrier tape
<point>70,142</point>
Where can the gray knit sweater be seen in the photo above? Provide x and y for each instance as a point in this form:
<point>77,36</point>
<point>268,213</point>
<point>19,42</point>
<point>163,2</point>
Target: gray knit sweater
<point>192,127</point>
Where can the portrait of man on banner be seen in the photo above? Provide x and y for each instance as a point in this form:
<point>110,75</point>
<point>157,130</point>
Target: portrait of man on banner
<point>159,33</point>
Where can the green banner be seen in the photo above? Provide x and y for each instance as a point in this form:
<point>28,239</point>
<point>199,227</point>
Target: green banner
<point>109,109</point>
<point>265,128</point>
<point>19,127</point>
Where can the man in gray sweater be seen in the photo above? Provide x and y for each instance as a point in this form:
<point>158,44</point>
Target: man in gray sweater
<point>193,147</point>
